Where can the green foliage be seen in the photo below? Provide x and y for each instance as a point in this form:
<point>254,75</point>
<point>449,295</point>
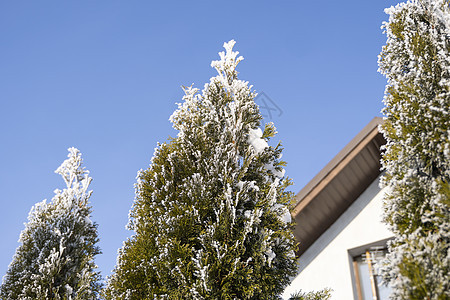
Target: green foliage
<point>324,294</point>
<point>56,257</point>
<point>210,216</point>
<point>416,61</point>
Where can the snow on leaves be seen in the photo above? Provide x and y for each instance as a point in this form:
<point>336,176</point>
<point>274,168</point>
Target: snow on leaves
<point>226,66</point>
<point>256,141</point>
<point>56,256</point>
<point>416,62</point>
<point>211,207</point>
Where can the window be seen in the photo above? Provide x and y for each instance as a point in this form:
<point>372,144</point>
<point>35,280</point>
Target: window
<point>366,280</point>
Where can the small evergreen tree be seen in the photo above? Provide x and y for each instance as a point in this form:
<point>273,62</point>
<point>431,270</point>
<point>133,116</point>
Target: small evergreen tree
<point>211,216</point>
<point>416,62</point>
<point>324,294</point>
<point>56,257</point>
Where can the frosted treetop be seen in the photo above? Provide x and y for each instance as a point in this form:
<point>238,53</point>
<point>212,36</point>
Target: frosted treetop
<point>71,169</point>
<point>226,66</point>
<point>226,79</point>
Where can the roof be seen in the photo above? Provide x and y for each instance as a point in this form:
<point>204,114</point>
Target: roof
<point>323,200</point>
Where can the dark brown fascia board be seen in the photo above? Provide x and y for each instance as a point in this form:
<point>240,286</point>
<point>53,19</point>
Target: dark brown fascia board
<point>312,189</point>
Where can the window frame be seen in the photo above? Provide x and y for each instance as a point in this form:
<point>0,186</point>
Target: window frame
<point>353,255</point>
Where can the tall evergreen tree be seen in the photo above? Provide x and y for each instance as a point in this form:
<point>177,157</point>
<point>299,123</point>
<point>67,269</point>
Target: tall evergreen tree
<point>416,62</point>
<point>211,216</point>
<point>56,257</point>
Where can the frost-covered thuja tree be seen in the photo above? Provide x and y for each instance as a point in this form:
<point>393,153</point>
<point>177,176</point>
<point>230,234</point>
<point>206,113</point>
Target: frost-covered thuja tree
<point>211,216</point>
<point>416,62</point>
<point>56,257</point>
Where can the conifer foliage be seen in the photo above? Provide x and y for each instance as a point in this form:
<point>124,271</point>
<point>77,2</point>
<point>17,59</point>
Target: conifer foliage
<point>211,216</point>
<point>324,294</point>
<point>56,257</point>
<point>416,62</point>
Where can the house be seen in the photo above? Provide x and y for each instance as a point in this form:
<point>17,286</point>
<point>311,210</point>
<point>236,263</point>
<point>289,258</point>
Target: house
<point>339,223</point>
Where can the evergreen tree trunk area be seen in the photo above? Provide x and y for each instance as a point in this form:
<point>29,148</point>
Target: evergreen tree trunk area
<point>211,216</point>
<point>56,257</point>
<point>416,62</point>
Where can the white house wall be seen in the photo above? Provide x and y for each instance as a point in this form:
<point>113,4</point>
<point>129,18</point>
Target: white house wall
<point>327,262</point>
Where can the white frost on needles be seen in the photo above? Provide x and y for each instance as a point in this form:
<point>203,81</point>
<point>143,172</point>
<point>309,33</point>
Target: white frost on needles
<point>285,215</point>
<point>221,173</point>
<point>58,243</point>
<point>256,141</point>
<point>278,173</point>
<point>270,255</point>
<point>226,66</point>
<point>416,63</point>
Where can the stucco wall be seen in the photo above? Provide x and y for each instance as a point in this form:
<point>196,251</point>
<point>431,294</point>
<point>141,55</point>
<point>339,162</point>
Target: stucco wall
<point>327,262</point>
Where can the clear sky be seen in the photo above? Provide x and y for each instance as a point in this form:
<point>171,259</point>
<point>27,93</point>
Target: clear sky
<point>104,76</point>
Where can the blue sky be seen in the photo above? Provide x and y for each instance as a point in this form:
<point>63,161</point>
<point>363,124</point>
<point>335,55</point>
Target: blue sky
<point>104,76</point>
